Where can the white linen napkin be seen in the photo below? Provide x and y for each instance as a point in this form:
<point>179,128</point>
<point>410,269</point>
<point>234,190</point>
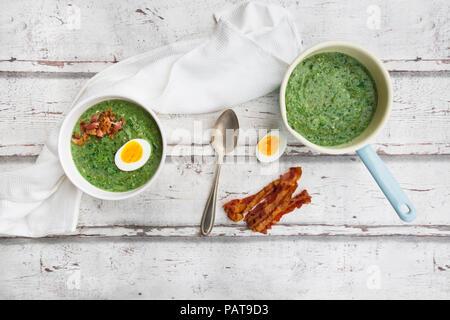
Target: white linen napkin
<point>246,57</point>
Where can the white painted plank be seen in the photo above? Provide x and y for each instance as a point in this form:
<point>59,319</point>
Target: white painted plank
<point>36,104</point>
<point>276,268</point>
<point>413,36</point>
<point>92,67</point>
<point>84,37</point>
<point>306,230</point>
<point>345,199</point>
<point>343,193</point>
<point>407,65</point>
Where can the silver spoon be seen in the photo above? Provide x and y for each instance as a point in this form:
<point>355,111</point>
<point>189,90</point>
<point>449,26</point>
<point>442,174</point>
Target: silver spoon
<point>224,140</point>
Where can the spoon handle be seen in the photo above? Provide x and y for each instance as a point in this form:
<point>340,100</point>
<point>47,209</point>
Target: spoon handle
<point>210,210</point>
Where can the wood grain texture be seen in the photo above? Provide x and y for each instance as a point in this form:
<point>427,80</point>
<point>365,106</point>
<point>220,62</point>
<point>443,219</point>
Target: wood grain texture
<point>92,67</point>
<point>81,36</point>
<point>37,103</point>
<point>347,244</point>
<point>345,199</point>
<point>205,268</point>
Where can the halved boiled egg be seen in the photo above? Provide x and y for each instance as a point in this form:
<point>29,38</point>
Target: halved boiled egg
<point>271,146</point>
<point>133,155</point>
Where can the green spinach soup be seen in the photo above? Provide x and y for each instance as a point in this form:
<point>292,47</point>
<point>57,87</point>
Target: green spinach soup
<point>94,150</point>
<point>330,98</point>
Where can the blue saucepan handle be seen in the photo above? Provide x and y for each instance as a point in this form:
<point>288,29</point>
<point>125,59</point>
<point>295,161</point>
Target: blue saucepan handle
<point>388,184</point>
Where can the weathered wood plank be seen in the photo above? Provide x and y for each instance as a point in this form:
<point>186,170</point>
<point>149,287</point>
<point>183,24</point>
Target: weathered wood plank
<point>344,195</point>
<point>37,103</point>
<point>346,200</point>
<point>84,37</point>
<point>419,65</point>
<point>347,244</point>
<point>289,230</point>
<point>70,67</point>
<point>201,268</point>
<point>92,67</point>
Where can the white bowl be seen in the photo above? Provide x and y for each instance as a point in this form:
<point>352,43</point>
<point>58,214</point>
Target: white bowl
<point>379,75</point>
<point>65,154</point>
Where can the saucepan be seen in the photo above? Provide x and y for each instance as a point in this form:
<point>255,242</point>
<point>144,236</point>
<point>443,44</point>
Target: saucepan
<point>387,183</point>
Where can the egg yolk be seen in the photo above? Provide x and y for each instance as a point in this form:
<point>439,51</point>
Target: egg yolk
<point>132,152</point>
<point>269,145</point>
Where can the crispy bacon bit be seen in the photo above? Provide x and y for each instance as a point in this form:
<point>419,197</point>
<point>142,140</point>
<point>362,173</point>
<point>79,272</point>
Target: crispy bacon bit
<point>99,133</point>
<point>101,124</point>
<point>116,126</point>
<point>265,208</point>
<point>92,125</point>
<point>80,140</point>
<point>94,117</point>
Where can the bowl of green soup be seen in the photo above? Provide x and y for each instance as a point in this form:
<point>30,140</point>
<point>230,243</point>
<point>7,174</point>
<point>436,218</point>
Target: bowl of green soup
<point>334,98</point>
<point>111,147</point>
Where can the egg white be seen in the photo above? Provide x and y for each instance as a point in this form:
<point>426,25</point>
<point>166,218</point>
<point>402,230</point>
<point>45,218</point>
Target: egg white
<point>281,147</point>
<point>146,151</point>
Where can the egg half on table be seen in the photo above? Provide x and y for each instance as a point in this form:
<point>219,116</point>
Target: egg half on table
<point>271,146</point>
<point>133,155</point>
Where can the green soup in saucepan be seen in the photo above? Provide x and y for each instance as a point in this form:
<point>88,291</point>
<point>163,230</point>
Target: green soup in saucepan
<point>95,160</point>
<point>330,98</point>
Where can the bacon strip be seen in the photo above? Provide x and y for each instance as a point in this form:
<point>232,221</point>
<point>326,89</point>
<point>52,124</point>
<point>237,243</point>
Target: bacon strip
<point>295,202</point>
<point>292,175</point>
<point>286,207</point>
<point>261,214</point>
<point>266,207</point>
<point>238,207</point>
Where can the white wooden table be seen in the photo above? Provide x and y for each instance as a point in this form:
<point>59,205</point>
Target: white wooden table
<point>347,244</point>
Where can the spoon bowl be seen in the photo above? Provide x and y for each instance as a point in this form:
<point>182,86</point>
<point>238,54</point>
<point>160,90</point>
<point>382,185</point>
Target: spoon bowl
<point>225,136</point>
